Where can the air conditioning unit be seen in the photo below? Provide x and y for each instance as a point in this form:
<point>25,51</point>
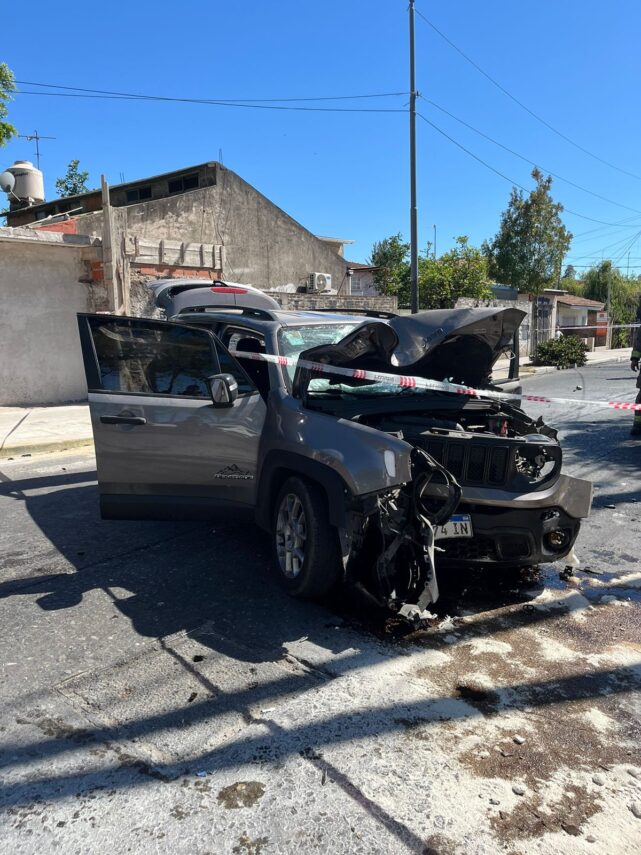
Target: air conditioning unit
<point>319,282</point>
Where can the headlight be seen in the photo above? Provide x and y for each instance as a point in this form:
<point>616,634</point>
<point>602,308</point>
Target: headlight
<point>390,463</point>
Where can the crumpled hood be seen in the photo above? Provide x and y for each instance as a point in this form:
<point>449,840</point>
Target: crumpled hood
<point>462,344</point>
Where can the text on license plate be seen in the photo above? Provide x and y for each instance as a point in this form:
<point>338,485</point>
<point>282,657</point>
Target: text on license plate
<point>458,525</point>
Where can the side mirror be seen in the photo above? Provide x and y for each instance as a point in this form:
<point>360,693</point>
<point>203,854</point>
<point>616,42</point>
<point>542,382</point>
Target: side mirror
<point>223,389</point>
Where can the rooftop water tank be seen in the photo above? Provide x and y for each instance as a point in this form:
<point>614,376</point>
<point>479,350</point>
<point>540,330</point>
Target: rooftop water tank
<point>30,186</point>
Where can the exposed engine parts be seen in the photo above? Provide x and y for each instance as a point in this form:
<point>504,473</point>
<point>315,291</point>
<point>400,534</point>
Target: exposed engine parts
<point>396,564</point>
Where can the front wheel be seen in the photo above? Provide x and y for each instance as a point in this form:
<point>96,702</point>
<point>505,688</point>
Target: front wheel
<point>305,544</point>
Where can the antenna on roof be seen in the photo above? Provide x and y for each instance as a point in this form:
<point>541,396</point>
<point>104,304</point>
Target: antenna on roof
<point>36,136</point>
<point>220,155</point>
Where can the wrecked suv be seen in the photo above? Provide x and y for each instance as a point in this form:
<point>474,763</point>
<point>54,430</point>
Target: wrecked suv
<point>234,403</point>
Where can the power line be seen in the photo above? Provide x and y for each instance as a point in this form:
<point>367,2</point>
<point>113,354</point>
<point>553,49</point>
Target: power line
<point>130,96</point>
<point>527,159</point>
<point>621,224</point>
<point>610,246</point>
<point>501,174</point>
<point>524,106</point>
<point>210,101</point>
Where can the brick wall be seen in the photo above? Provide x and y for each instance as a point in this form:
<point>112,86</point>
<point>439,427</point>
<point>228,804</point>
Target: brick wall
<point>309,302</point>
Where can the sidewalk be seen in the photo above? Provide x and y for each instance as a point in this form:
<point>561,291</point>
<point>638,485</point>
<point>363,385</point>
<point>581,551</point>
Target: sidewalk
<point>620,354</point>
<point>38,430</point>
<point>33,430</point>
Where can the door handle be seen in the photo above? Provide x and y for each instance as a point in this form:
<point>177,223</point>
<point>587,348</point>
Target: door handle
<point>123,420</point>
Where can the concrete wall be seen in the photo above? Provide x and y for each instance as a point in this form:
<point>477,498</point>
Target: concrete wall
<point>40,359</point>
<point>263,245</point>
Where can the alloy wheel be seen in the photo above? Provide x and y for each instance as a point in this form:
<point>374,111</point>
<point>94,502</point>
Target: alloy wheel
<point>291,535</point>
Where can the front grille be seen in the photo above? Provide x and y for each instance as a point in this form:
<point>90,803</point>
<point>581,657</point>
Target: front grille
<point>514,546</point>
<point>471,461</point>
<point>507,547</point>
<point>469,549</point>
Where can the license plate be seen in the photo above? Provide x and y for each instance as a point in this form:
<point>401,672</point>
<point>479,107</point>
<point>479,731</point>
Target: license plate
<point>458,525</point>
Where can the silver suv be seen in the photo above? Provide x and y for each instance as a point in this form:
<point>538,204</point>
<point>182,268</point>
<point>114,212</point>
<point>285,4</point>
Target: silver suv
<point>369,483</point>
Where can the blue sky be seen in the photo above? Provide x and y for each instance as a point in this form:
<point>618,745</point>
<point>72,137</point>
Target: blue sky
<point>576,63</point>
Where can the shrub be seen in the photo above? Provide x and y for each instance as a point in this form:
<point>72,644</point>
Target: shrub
<point>563,352</point>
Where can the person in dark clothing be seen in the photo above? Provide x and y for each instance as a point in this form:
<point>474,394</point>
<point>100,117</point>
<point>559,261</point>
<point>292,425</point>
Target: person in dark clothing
<point>634,365</point>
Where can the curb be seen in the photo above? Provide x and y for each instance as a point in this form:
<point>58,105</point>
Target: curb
<point>46,447</point>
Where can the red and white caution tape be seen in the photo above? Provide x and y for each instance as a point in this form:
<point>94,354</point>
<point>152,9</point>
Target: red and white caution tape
<point>424,383</point>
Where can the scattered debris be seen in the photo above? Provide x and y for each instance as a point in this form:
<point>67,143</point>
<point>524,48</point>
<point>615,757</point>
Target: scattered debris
<point>518,789</point>
<point>635,807</point>
<point>241,794</point>
<point>495,801</point>
<point>573,830</point>
<point>192,697</point>
<point>201,774</point>
<point>324,778</point>
<point>611,507</point>
<point>635,773</point>
<point>198,658</point>
<point>413,614</point>
<point>518,739</point>
<point>599,780</point>
<point>590,838</point>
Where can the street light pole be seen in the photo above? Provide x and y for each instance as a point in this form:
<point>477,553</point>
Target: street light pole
<point>413,210</point>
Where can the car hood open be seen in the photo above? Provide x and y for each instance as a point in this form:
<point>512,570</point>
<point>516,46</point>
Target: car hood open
<point>457,344</point>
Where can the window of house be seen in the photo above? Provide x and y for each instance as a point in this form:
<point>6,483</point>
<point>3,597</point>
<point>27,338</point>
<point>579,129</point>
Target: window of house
<point>179,185</point>
<point>139,194</point>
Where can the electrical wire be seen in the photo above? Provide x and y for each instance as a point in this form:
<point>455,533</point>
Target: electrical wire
<point>207,100</point>
<point>527,159</point>
<point>600,252</point>
<point>78,92</point>
<point>524,106</point>
<point>220,103</point>
<point>501,174</point>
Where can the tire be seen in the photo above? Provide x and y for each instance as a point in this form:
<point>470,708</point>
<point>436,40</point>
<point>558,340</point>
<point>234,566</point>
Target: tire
<point>306,547</point>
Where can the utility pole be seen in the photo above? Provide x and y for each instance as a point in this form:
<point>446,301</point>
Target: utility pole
<point>434,227</point>
<point>413,211</point>
<point>35,136</point>
<point>608,339</point>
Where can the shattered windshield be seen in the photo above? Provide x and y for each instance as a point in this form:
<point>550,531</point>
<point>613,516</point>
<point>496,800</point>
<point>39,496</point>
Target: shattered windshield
<point>294,340</point>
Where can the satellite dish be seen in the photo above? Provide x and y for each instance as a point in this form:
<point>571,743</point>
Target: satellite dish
<point>7,182</point>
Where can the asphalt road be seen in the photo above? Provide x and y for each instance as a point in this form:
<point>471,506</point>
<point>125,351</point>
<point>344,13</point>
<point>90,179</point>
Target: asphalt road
<point>160,693</point>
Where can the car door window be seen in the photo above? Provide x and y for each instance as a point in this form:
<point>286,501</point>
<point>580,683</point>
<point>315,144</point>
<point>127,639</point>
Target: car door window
<point>248,341</point>
<point>152,358</point>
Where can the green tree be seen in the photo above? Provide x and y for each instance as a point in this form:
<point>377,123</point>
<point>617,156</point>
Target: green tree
<point>74,182</point>
<point>7,86</point>
<point>570,272</point>
<point>390,257</point>
<point>460,272</point>
<point>527,252</point>
<point>624,296</point>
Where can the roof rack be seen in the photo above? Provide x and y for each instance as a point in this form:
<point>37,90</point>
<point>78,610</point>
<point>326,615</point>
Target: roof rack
<point>226,309</point>
<point>369,313</point>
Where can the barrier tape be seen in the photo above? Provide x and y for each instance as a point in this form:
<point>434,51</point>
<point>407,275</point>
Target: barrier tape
<point>407,381</point>
<point>603,327</point>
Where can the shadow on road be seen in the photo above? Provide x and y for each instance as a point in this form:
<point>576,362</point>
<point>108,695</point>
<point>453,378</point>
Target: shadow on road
<point>167,578</point>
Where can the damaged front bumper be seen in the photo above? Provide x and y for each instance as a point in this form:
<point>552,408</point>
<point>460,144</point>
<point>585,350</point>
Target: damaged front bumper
<point>392,552</point>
